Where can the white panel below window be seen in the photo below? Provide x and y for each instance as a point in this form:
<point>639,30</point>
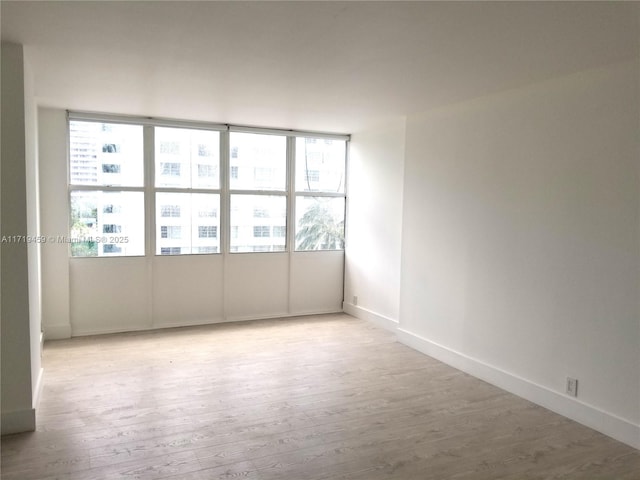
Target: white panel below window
<point>187,290</point>
<point>108,295</point>
<point>256,285</point>
<point>317,282</point>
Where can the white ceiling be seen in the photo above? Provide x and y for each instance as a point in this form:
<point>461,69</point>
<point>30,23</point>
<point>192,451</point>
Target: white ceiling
<point>332,66</point>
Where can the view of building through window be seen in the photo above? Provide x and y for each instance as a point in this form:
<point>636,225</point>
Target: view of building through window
<point>258,164</point>
<point>320,165</point>
<point>320,168</point>
<point>187,158</point>
<point>104,220</point>
<point>187,223</point>
<point>109,201</point>
<point>259,223</point>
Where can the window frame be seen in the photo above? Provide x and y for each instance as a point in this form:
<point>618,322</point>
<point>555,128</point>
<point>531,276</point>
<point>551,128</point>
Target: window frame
<point>313,193</point>
<point>154,246</point>
<point>256,191</point>
<point>103,187</point>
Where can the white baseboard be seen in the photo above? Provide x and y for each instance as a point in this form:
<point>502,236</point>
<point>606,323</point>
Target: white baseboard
<point>364,314</point>
<point>198,322</point>
<point>18,421</point>
<point>280,315</point>
<point>57,332</point>
<point>305,313</point>
<point>604,422</point>
<point>187,323</point>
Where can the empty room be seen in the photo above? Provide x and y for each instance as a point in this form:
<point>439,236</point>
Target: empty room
<point>320,240</point>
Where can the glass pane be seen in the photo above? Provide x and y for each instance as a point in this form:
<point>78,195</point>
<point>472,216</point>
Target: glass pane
<point>258,223</point>
<point>258,162</point>
<point>187,223</point>
<point>320,165</point>
<point>105,154</point>
<point>107,224</point>
<point>319,223</point>
<point>187,158</point>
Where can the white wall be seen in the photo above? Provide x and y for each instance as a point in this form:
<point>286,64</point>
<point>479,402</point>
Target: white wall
<point>187,290</point>
<point>374,223</point>
<point>520,254</point>
<point>83,296</point>
<point>33,229</point>
<point>52,146</point>
<point>316,282</point>
<point>18,412</point>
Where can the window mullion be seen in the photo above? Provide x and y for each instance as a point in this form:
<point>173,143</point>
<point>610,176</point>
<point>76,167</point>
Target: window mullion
<point>225,203</point>
<point>291,186</point>
<point>150,195</point>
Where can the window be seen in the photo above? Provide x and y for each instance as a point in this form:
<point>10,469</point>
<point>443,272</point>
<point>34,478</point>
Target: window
<point>170,251</point>
<point>170,211</point>
<point>204,150</point>
<point>192,214</point>
<point>170,168</point>
<point>264,177</point>
<point>260,213</point>
<point>319,223</point>
<point>258,190</point>
<point>205,170</point>
<point>111,209</point>
<point>264,155</point>
<point>187,158</point>
<point>208,213</point>
<point>110,168</point>
<point>111,248</point>
<point>111,228</point>
<point>172,231</point>
<point>110,148</point>
<point>247,231</point>
<point>320,168</point>
<point>269,176</point>
<point>208,231</point>
<point>312,176</point>
<point>261,231</point>
<point>89,230</point>
<point>169,147</point>
<point>103,158</point>
<point>191,187</point>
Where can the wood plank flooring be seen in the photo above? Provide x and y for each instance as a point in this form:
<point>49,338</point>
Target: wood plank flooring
<point>319,397</point>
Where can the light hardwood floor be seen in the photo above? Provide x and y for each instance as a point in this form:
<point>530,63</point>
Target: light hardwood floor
<point>320,397</point>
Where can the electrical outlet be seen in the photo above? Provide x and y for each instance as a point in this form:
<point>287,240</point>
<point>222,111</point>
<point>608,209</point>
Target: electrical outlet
<point>572,386</point>
<point>355,300</point>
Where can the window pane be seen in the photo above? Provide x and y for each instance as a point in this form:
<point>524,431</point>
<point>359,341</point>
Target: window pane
<point>257,223</point>
<point>107,224</point>
<point>320,165</point>
<point>319,223</point>
<point>258,162</point>
<point>105,154</point>
<point>187,223</point>
<point>187,158</point>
